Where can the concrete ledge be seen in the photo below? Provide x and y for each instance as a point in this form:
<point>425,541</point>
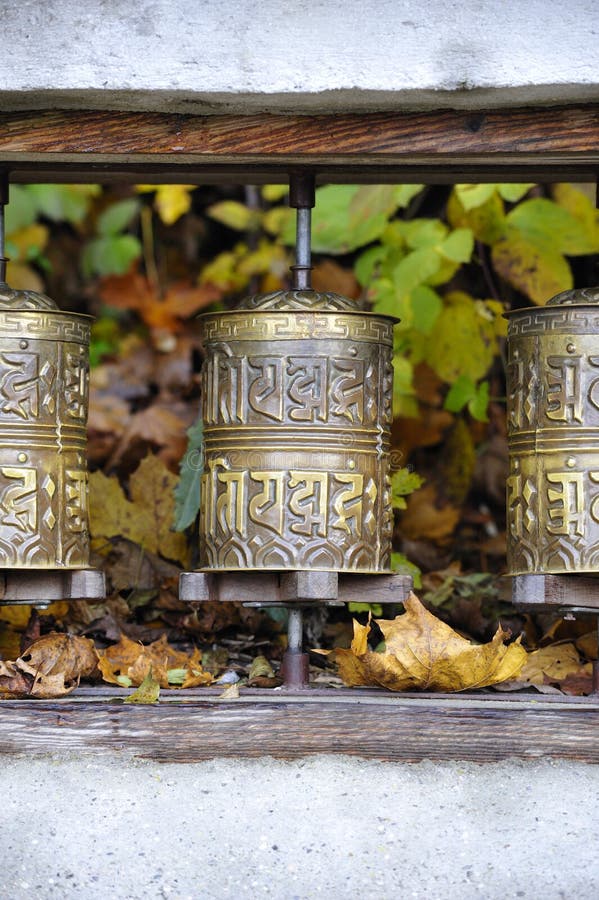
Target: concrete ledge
<point>196,56</point>
<point>354,100</point>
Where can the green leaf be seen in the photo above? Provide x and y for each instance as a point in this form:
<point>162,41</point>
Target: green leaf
<point>176,676</point>
<point>401,564</point>
<point>546,223</point>
<point>187,491</point>
<point>532,266</point>
<point>458,246</point>
<point>367,263</point>
<point>426,308</point>
<point>110,255</point>
<point>513,192</point>
<point>147,692</point>
<point>463,340</point>
<point>414,269</point>
<point>404,400</point>
<point>422,233</point>
<point>375,608</point>
<point>464,392</point>
<point>473,195</point>
<point>116,217</point>
<point>64,202</point>
<point>272,193</point>
<point>347,217</point>
<point>487,221</point>
<point>580,206</point>
<point>235,215</point>
<point>461,392</point>
<point>404,482</point>
<point>21,210</point>
<point>405,193</point>
<point>479,404</point>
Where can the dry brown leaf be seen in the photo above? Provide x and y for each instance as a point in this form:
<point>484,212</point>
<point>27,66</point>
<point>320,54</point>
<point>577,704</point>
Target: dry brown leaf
<point>51,667</point>
<point>180,301</point>
<point>147,518</point>
<point>330,276</point>
<point>423,653</point>
<point>553,664</point>
<point>426,519</point>
<point>231,692</point>
<point>129,660</point>
<point>72,656</point>
<point>157,426</point>
<point>580,685</point>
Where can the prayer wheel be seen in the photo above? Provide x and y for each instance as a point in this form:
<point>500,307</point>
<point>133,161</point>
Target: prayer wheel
<point>44,376</point>
<point>553,426</point>
<point>297,406</point>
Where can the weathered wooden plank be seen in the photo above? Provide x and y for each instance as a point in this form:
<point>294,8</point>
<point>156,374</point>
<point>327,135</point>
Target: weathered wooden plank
<point>538,130</point>
<point>548,593</point>
<point>369,146</point>
<point>386,728</point>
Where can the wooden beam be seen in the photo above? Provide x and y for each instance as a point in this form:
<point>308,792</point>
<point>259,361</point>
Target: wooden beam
<point>544,143</point>
<point>370,724</point>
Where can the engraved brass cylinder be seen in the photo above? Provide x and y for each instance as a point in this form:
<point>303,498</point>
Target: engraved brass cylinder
<point>44,376</point>
<point>553,427</point>
<point>297,394</point>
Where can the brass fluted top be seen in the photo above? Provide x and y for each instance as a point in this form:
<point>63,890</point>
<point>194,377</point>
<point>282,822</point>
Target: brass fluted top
<point>309,301</point>
<point>579,297</point>
<point>31,300</point>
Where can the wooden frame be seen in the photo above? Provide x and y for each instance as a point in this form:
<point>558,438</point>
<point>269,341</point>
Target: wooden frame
<point>539,144</point>
<point>547,144</point>
<point>194,725</point>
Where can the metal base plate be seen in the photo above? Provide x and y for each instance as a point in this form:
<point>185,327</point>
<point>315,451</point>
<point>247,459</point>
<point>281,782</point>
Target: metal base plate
<point>282,588</point>
<point>42,587</point>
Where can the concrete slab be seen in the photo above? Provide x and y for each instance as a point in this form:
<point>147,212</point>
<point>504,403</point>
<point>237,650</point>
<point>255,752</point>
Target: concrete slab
<point>242,56</point>
<point>88,827</point>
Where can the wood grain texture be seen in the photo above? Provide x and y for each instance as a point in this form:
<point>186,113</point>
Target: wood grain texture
<point>567,129</point>
<point>545,137</point>
<point>379,727</point>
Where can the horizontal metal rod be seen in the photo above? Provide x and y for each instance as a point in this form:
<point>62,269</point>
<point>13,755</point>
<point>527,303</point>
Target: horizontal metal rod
<point>82,169</point>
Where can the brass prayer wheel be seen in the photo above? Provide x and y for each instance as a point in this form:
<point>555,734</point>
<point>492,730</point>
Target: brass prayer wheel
<point>297,407</point>
<point>44,374</point>
<point>553,427</point>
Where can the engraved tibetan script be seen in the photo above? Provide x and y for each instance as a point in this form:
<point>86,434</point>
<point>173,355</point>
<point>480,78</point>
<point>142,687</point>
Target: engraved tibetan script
<point>564,396</point>
<point>304,502</point>
<point>76,381</point>
<point>566,512</point>
<point>76,500</point>
<point>18,498</point>
<point>19,389</point>
<point>295,389</point>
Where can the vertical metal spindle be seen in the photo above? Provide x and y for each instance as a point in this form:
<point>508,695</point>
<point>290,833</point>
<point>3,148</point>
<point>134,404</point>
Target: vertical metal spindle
<point>295,668</point>
<point>295,629</point>
<point>302,198</point>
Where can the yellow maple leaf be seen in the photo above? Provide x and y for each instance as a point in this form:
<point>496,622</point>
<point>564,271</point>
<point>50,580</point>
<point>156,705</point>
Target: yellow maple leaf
<point>171,201</point>
<point>147,518</point>
<point>423,653</point>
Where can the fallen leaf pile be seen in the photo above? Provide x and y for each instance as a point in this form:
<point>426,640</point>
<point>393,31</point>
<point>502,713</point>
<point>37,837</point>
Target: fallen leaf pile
<point>423,653</point>
<point>128,663</point>
<point>560,665</point>
<point>51,667</point>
